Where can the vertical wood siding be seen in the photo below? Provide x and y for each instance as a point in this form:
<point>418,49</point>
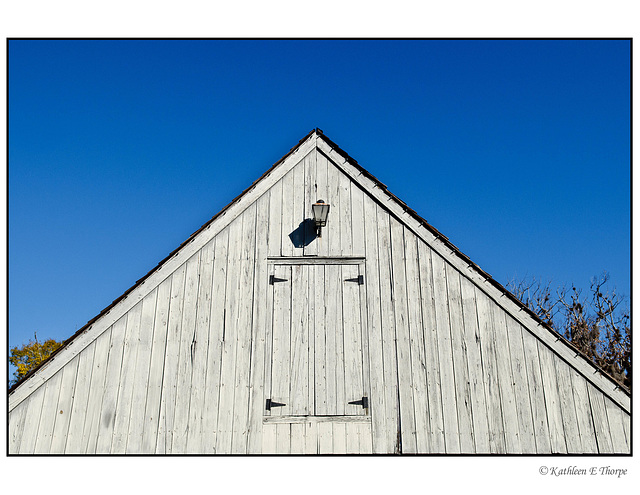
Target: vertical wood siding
<point>188,367</point>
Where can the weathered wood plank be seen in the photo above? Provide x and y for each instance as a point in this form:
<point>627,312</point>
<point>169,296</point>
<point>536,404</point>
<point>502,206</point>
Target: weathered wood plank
<point>567,407</point>
<point>274,237</point>
<point>297,219</point>
<point>316,260</point>
<point>490,373</point>
<point>346,226</point>
<point>64,407</point>
<point>435,433</point>
<point>352,343</point>
<point>34,405</point>
<point>99,367</point>
<point>172,354</point>
<point>471,335</point>
<point>141,380</point>
<point>17,419</point>
<point>402,337</point>
<point>283,439</point>
<point>626,425</point>
<point>186,356</point>
<point>325,438</point>
<point>48,414</point>
<point>505,381</point>
<point>299,344</point>
<point>364,434</point>
<point>536,393</point>
<point>297,439</point>
<point>111,387</point>
<point>616,418</point>
<point>323,194</point>
<point>348,437</point>
<point>127,380</point>
<point>310,197</point>
<point>316,419</point>
<point>521,387</point>
<point>583,413</point>
<point>447,383</point>
<point>216,336</point>
<point>552,400</point>
<point>382,441</point>
<point>320,343</point>
<point>357,220</point>
<point>600,421</point>
<point>281,342</point>
<point>199,351</point>
<point>311,438</point>
<point>390,364</point>
<point>79,409</point>
<point>311,290</point>
<point>337,397</point>
<point>243,331</point>
<point>156,368</point>
<point>230,341</point>
<point>269,434</point>
<point>460,367</point>
<point>262,313</point>
<point>331,234</point>
<point>289,220</point>
<point>416,342</point>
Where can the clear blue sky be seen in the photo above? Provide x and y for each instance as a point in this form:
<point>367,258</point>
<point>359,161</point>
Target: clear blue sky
<point>518,151</point>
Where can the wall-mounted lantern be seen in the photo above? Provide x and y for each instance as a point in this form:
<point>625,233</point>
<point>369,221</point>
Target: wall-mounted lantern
<point>320,214</point>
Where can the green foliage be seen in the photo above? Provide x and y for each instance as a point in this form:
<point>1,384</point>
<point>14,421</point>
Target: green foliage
<point>30,355</point>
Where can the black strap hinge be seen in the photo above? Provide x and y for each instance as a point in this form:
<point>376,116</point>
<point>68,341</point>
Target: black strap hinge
<point>273,279</point>
<point>359,279</point>
<point>364,402</point>
<point>271,404</point>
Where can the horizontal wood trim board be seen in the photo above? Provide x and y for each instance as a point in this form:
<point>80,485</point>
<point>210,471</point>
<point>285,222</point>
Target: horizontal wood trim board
<point>316,419</point>
<point>315,260</point>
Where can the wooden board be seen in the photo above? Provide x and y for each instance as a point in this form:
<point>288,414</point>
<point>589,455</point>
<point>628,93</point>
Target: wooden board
<point>490,374</point>
<point>460,366</point>
<point>64,407</point>
<point>552,400</point>
<point>122,410</point>
<point>141,375</point>
<point>402,337</point>
<point>505,381</point>
<point>79,409</point>
<point>445,355</point>
<point>536,394</point>
<point>156,368</point>
<point>430,332</point>
<point>474,361</point>
<point>521,387</point>
<point>583,414</point>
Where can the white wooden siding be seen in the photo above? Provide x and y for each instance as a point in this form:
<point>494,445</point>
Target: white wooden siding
<point>187,360</point>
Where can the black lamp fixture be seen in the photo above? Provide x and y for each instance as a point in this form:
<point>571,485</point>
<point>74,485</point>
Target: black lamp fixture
<point>320,214</point>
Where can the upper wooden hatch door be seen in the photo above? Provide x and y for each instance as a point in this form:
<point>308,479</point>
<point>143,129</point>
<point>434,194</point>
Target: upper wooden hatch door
<point>317,360</point>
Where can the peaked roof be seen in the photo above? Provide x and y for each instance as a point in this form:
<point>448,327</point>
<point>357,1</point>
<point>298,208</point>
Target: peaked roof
<point>405,209</point>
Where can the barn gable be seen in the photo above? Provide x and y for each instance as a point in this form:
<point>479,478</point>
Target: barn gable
<point>256,336</point>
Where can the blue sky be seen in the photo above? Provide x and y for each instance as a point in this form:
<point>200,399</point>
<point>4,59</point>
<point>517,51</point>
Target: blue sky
<point>518,151</point>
